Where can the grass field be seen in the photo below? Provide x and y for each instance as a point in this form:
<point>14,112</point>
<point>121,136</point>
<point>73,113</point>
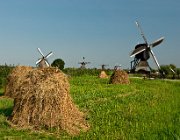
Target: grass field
<point>145,109</point>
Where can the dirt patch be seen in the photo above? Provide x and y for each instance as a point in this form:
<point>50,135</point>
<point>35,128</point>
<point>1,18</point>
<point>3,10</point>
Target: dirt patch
<point>42,100</point>
<point>119,77</point>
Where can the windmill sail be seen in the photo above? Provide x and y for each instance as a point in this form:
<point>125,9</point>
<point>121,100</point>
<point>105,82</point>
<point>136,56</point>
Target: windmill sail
<point>40,52</point>
<point>157,42</point>
<point>138,50</point>
<point>155,60</point>
<point>142,34</point>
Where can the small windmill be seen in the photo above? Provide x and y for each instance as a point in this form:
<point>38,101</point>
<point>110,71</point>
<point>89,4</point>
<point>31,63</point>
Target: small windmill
<point>83,63</point>
<point>43,62</point>
<point>103,66</point>
<point>142,53</point>
<point>117,67</point>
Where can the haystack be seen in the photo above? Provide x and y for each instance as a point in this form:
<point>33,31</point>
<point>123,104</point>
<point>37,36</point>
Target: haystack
<point>42,100</point>
<point>14,79</point>
<point>119,77</point>
<point>103,75</point>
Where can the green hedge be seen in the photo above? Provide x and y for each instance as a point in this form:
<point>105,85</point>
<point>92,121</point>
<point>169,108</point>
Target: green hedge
<point>4,72</point>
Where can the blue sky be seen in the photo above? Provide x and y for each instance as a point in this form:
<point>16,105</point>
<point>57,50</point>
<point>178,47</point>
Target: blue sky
<point>102,31</point>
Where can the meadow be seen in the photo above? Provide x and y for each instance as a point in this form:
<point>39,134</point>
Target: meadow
<point>145,109</point>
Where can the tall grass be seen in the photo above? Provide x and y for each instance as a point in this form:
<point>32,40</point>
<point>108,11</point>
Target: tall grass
<point>145,109</point>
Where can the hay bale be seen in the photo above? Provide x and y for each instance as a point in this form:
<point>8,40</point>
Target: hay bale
<point>103,75</point>
<point>42,100</point>
<point>119,77</point>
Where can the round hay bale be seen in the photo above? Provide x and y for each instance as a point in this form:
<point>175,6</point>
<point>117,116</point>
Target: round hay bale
<point>103,75</point>
<point>119,77</point>
<point>43,101</point>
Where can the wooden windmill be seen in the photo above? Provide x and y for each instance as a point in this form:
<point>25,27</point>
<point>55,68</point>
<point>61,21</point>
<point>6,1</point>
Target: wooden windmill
<point>142,53</point>
<point>83,63</point>
<point>117,67</point>
<point>43,62</point>
<point>103,66</point>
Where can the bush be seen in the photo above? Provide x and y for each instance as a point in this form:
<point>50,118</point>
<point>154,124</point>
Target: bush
<point>4,72</point>
<point>58,63</point>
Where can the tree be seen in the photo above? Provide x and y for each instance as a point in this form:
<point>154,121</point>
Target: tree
<point>165,69</point>
<point>168,70</point>
<point>172,66</point>
<point>58,63</point>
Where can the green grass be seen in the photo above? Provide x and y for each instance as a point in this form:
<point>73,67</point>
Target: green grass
<point>145,109</point>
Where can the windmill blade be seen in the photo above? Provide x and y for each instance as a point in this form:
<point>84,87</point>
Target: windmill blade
<point>40,52</point>
<point>141,32</point>
<point>46,62</point>
<point>172,70</point>
<point>157,42</point>
<point>37,62</point>
<point>138,50</point>
<point>155,60</point>
<point>48,55</point>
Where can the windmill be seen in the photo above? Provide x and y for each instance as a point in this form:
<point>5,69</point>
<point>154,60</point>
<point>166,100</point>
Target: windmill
<point>117,67</point>
<point>103,66</point>
<point>142,52</point>
<point>83,63</point>
<point>43,62</point>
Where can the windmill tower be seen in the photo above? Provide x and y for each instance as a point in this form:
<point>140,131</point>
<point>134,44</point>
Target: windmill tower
<point>142,53</point>
<point>83,63</point>
<point>43,62</point>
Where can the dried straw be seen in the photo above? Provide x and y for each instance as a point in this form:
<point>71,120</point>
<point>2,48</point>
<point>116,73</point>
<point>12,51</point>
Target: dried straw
<point>103,75</point>
<point>42,100</point>
<point>119,77</point>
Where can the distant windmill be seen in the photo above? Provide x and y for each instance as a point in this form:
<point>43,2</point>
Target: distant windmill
<point>83,63</point>
<point>43,62</point>
<point>103,66</point>
<point>117,67</point>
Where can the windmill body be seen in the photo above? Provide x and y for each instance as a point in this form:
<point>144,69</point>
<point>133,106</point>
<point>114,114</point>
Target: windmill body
<point>83,65</point>
<point>142,53</point>
<point>42,64</point>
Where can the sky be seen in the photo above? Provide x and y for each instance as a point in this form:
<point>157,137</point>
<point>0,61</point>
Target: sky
<point>102,31</point>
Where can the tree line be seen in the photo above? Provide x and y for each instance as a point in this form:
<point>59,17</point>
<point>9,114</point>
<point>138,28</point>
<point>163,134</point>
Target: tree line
<point>170,71</point>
